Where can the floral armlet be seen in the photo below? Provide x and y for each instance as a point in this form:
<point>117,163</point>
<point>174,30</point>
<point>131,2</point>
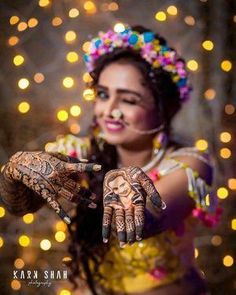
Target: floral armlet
<point>205,199</point>
<point>70,145</point>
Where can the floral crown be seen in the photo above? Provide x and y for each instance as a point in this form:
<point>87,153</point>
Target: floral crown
<point>150,49</point>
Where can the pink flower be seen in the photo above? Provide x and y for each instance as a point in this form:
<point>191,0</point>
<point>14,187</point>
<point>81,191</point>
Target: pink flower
<point>158,273</point>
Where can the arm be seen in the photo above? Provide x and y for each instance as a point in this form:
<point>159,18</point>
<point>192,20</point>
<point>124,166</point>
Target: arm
<point>173,189</point>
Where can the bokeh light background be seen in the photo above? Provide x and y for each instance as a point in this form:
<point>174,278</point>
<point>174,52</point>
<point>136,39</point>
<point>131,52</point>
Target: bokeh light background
<point>43,95</point>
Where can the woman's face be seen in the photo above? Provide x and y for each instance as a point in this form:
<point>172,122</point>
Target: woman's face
<point>121,86</point>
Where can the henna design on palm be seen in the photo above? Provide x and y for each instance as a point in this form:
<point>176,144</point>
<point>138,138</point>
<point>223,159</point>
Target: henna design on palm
<point>50,176</point>
<point>125,193</point>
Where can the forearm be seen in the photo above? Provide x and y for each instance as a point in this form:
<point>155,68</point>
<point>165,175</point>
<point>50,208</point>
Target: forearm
<point>18,199</point>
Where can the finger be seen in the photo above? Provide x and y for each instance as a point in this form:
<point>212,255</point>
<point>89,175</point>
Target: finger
<point>34,181</point>
<point>139,219</point>
<point>73,192</point>
<point>149,188</point>
<point>106,223</point>
<point>82,167</point>
<point>120,226</point>
<point>62,157</point>
<point>130,225</point>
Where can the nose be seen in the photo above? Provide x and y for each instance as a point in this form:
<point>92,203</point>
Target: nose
<point>110,105</point>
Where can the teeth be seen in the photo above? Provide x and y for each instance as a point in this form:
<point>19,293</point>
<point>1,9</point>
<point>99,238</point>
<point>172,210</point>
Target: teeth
<point>114,126</point>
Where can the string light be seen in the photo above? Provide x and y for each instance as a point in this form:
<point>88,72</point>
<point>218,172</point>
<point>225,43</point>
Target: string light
<point>233,224</point>
<point>18,60</point>
<point>22,26</point>
<point>13,40</point>
<point>90,7</point>
<point>225,153</point>
<point>160,16</point>
<point>192,65</point>
<point>1,242</point>
<point>119,27</point>
<point>32,22</point>
<point>75,128</point>
<point>68,82</point>
<point>24,241</point>
<point>2,212</point>
<point>86,46</point>
<point>28,218</point>
<point>172,10</point>
<point>89,94</point>
<point>208,45</point>
<point>196,252</point>
<point>14,20</point>
<point>23,83</point>
<point>228,261</point>
<point>87,78</point>
<point>201,144</point>
<point>226,65</point>
<point>60,236</point>
<point>45,244</point>
<point>56,21</point>
<point>232,183</point>
<point>229,109</point>
<point>62,115</point>
<point>210,94</point>
<point>70,36</point>
<point>15,285</point>
<point>222,193</point>
<point>72,57</point>
<point>216,240</point>
<point>75,110</point>
<point>113,6</point>
<point>189,20</point>
<point>73,13</point>
<point>24,107</point>
<point>44,3</point>
<point>19,263</point>
<point>225,137</point>
<point>64,292</point>
<point>39,78</point>
<point>60,226</point>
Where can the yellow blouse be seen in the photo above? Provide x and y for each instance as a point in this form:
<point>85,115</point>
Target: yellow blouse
<point>160,259</point>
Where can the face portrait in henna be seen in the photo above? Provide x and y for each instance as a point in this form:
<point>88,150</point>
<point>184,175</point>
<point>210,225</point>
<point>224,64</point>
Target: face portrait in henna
<point>125,194</point>
<point>121,187</point>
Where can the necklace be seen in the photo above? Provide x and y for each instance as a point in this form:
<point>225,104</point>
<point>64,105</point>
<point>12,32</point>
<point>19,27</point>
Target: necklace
<point>159,143</point>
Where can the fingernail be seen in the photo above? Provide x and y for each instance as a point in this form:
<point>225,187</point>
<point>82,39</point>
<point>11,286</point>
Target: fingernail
<point>67,219</point>
<point>138,238</point>
<point>83,160</point>
<point>97,167</point>
<point>105,240</point>
<point>122,244</point>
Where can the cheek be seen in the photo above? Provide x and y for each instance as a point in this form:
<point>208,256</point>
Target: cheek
<point>137,116</point>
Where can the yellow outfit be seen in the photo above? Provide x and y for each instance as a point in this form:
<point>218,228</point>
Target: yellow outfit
<point>160,259</point>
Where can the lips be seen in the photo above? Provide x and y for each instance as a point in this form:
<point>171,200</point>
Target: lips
<point>114,125</point>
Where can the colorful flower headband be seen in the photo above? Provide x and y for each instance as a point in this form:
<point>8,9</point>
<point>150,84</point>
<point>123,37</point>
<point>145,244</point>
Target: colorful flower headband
<point>150,49</point>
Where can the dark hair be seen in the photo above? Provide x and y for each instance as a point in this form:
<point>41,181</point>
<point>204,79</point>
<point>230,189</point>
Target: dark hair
<point>86,228</point>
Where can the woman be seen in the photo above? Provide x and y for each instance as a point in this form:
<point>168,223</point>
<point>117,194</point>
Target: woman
<point>138,237</point>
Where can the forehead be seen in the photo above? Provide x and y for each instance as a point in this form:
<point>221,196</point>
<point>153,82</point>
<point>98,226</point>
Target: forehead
<point>124,76</point>
<point>117,180</point>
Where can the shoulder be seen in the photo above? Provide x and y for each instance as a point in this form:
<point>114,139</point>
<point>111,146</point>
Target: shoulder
<point>70,145</point>
<point>200,162</point>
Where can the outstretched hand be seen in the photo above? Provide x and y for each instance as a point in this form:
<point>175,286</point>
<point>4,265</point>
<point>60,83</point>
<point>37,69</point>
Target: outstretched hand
<point>50,176</point>
<point>125,193</point>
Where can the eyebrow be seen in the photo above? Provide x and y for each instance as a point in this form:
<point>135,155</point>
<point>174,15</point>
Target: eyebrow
<point>123,90</point>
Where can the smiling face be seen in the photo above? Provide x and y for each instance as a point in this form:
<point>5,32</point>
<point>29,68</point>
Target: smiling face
<point>121,86</point>
<point>120,186</point>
